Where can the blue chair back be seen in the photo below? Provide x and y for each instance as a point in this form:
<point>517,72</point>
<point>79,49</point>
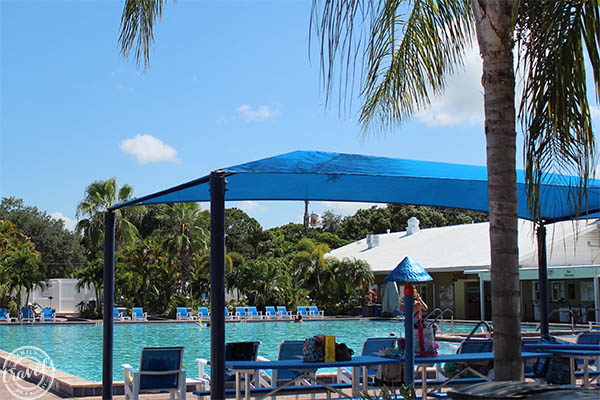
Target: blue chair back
<point>302,311</point>
<point>2,313</point>
<point>313,309</point>
<point>282,310</point>
<point>476,346</point>
<point>182,311</point>
<point>270,311</point>
<point>47,312</point>
<point>203,311</point>
<point>241,311</point>
<point>371,346</point>
<point>138,312</point>
<point>289,350</point>
<point>588,338</point>
<point>227,314</point>
<point>241,351</point>
<point>161,359</point>
<point>26,313</point>
<point>116,313</point>
<point>252,311</point>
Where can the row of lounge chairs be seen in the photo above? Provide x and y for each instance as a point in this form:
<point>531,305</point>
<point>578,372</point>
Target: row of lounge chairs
<point>26,314</point>
<point>250,312</point>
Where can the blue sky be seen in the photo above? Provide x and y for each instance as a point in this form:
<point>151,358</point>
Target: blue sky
<point>229,82</point>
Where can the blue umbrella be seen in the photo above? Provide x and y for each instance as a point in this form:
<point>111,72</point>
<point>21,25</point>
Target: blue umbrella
<point>408,271</point>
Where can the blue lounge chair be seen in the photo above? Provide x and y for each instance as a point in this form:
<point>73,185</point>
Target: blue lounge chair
<point>4,316</point>
<point>301,310</point>
<point>27,315</point>
<point>234,351</point>
<point>160,370</point>
<point>283,313</point>
<point>228,314</point>
<point>184,314</point>
<point>588,338</point>
<point>252,312</point>
<point>288,350</point>
<point>370,347</point>
<point>138,313</point>
<point>119,315</point>
<point>240,312</point>
<point>203,313</point>
<point>313,311</point>
<point>47,314</point>
<point>270,312</point>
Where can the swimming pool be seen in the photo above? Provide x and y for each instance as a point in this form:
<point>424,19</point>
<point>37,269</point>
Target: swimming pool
<point>77,349</point>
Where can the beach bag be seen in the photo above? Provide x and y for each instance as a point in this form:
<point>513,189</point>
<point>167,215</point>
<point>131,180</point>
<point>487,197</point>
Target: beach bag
<point>313,349</point>
<point>390,374</point>
<point>424,339</point>
<point>343,352</point>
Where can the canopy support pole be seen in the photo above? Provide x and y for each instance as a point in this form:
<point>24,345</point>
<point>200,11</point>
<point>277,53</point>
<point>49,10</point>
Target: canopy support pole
<point>109,295</point>
<point>543,279</point>
<point>217,285</point>
<point>409,349</point>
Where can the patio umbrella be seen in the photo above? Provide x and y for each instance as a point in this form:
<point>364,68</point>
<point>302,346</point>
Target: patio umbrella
<point>391,298</point>
<point>408,271</point>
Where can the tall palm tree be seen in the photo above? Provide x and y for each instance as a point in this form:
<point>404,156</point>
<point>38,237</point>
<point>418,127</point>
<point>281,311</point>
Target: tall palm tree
<point>310,261</point>
<point>186,231</point>
<point>409,47</point>
<point>99,197</point>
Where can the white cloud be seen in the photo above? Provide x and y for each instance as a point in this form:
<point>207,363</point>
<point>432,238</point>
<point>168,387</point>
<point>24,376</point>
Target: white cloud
<point>249,206</point>
<point>69,223</point>
<point>462,100</point>
<point>247,113</point>
<point>148,149</point>
<point>595,111</point>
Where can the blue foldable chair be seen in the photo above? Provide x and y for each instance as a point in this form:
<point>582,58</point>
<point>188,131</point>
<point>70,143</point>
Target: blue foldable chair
<point>240,312</point>
<point>203,313</point>
<point>183,314</point>
<point>138,313</point>
<point>228,314</point>
<point>314,311</point>
<point>370,347</point>
<point>475,346</point>
<point>252,312</point>
<point>288,350</point>
<point>241,351</point>
<point>588,338</point>
<point>27,315</point>
<point>119,315</point>
<point>4,316</point>
<point>284,313</point>
<point>160,370</point>
<point>301,310</point>
<point>47,314</point>
<point>270,312</point>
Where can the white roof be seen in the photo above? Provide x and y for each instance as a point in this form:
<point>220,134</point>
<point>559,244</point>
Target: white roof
<point>466,247</point>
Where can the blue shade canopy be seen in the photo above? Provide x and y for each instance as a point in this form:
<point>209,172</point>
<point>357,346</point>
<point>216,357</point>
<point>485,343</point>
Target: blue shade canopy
<point>320,176</point>
<point>408,271</point>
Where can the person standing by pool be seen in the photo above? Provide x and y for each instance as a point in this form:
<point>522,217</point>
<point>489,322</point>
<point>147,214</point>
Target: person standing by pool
<point>418,306</point>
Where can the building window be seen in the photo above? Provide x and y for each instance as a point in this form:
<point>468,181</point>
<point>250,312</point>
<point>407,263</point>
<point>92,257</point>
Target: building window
<point>558,291</point>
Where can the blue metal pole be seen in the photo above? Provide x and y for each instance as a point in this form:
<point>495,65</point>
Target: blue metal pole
<point>109,294</point>
<point>217,285</point>
<point>409,351</point>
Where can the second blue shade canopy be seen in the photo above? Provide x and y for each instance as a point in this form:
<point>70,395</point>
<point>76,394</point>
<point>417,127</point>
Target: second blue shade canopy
<point>408,271</point>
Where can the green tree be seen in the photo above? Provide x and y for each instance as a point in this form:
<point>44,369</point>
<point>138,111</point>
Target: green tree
<point>345,285</point>
<point>60,250</point>
<point>243,232</point>
<point>411,46</point>
<point>92,275</point>
<point>310,262</point>
<point>185,231</point>
<point>99,197</point>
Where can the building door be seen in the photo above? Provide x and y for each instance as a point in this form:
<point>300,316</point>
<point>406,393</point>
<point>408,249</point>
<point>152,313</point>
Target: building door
<point>473,301</point>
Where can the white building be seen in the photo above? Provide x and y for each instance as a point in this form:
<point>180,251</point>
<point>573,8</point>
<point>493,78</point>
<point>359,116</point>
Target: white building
<point>458,258</point>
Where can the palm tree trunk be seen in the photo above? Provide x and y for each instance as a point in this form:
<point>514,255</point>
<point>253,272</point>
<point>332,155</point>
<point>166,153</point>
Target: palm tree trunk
<point>494,34</point>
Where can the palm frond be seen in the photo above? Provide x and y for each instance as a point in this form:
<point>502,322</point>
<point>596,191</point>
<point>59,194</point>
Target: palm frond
<point>137,28</point>
<point>552,38</point>
<point>405,57</point>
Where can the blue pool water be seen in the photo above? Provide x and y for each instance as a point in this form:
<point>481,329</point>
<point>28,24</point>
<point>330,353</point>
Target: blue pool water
<point>77,349</point>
